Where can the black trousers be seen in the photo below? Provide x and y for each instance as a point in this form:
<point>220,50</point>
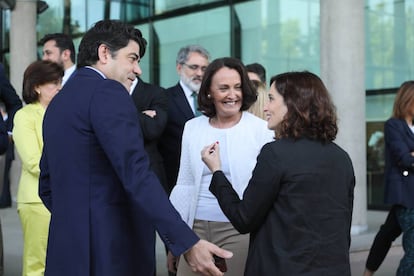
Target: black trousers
<point>1,253</point>
<point>388,232</point>
<point>5,196</point>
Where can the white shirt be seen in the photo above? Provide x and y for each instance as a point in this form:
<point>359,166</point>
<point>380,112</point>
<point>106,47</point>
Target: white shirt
<point>188,92</point>
<point>68,73</point>
<point>208,207</point>
<point>242,144</point>
<point>133,85</point>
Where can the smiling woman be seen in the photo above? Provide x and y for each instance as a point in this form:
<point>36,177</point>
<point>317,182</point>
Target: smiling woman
<point>298,203</point>
<point>225,95</point>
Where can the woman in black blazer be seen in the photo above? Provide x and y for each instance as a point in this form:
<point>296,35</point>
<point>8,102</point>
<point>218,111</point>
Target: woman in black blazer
<point>298,204</point>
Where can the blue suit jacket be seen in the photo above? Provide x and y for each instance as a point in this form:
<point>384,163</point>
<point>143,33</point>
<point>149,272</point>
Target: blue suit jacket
<point>95,180</point>
<point>13,103</point>
<point>179,112</point>
<point>399,163</point>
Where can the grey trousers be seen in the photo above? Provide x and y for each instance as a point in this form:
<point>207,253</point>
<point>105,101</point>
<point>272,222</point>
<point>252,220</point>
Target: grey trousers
<point>224,236</point>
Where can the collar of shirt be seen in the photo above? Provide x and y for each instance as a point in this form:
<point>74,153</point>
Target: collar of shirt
<point>188,92</point>
<point>133,85</point>
<point>68,73</point>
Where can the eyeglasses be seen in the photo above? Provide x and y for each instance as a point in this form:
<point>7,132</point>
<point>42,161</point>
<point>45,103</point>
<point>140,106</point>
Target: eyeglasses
<point>195,67</point>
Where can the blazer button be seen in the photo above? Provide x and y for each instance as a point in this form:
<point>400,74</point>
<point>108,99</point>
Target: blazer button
<point>405,173</point>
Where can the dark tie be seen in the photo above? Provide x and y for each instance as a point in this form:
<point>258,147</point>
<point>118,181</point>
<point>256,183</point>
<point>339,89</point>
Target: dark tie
<point>196,111</point>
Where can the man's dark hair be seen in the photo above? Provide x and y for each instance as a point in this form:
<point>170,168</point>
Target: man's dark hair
<point>63,42</point>
<point>114,34</point>
<point>257,69</point>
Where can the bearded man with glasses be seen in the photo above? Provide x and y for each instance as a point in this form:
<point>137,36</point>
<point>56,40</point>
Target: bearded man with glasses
<point>191,63</point>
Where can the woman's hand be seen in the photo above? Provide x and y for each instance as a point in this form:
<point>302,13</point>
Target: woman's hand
<point>211,157</point>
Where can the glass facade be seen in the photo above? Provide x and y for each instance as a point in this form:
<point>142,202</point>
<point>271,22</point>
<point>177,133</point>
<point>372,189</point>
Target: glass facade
<point>389,29</point>
<point>283,35</point>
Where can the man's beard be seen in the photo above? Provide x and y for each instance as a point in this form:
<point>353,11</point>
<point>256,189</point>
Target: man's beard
<point>60,62</point>
<point>190,83</point>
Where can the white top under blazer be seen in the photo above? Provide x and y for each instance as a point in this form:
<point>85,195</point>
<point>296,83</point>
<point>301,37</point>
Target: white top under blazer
<point>243,144</point>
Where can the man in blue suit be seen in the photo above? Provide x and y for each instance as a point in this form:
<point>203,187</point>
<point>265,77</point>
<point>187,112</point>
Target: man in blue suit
<point>95,177</point>
<point>10,103</point>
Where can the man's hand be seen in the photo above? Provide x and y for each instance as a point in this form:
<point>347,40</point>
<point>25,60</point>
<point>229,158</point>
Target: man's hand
<point>172,262</point>
<point>200,258</point>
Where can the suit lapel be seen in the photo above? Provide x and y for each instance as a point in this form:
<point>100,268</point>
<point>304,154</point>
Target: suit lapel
<point>180,100</point>
<point>139,94</point>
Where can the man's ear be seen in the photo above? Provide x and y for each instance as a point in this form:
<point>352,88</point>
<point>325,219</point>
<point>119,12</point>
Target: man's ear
<point>66,55</point>
<point>103,53</point>
<point>179,67</point>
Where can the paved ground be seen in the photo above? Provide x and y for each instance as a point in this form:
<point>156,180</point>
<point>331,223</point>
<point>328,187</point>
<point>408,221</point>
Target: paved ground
<point>13,245</point>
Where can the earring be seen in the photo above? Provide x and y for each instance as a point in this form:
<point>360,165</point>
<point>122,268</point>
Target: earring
<point>208,96</point>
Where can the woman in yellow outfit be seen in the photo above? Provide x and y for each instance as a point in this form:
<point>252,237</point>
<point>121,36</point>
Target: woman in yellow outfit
<point>41,81</point>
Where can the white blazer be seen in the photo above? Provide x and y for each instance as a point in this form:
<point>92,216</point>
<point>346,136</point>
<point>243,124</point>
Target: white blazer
<point>244,142</point>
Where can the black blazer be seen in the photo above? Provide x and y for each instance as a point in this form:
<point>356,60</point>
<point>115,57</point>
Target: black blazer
<point>399,163</point>
<point>297,207</point>
<point>179,112</point>
<point>151,97</point>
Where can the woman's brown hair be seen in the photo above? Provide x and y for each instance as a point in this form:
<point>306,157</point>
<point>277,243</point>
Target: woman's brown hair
<point>404,100</point>
<point>39,73</point>
<point>310,111</point>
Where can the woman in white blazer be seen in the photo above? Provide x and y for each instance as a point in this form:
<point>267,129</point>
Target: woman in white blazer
<point>225,94</point>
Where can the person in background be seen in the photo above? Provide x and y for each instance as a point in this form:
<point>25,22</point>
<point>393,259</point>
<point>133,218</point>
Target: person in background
<point>5,189</point>
<point>387,233</point>
<point>94,171</point>
<point>5,197</point>
<point>191,63</point>
<point>257,107</point>
<point>297,206</point>
<point>41,81</point>
<point>151,103</point>
<point>11,103</point>
<point>256,72</point>
<point>225,95</point>
<point>399,184</point>
<point>59,48</point>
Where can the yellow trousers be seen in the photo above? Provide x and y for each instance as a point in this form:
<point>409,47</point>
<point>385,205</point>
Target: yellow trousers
<point>35,219</point>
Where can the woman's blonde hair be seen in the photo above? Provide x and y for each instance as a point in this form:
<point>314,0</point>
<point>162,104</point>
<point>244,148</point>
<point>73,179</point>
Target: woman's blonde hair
<point>258,107</point>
